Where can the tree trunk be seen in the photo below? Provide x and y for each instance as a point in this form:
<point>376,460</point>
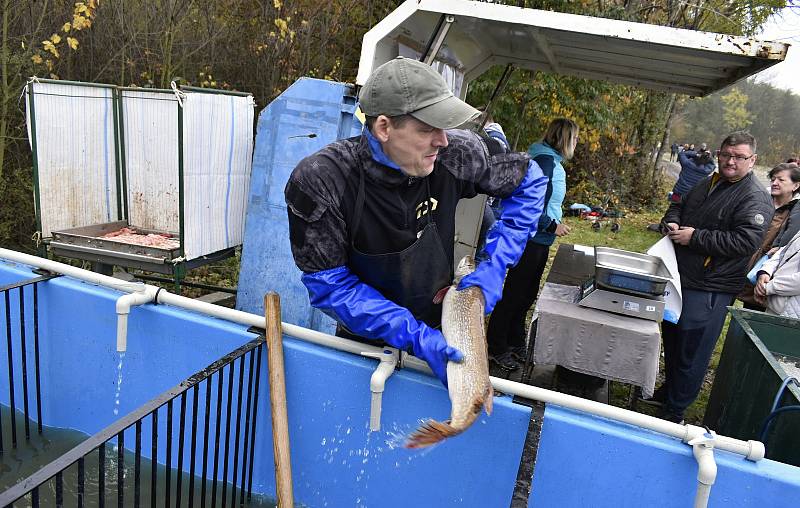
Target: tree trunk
<point>664,140</point>
<point>640,138</point>
<point>5,91</point>
<point>521,125</point>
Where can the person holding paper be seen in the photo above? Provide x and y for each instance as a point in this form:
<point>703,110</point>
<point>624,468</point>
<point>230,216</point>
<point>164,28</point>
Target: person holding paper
<point>716,227</point>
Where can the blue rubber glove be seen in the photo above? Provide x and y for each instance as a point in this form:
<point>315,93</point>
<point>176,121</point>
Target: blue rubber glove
<point>506,240</point>
<point>432,347</point>
<point>364,311</point>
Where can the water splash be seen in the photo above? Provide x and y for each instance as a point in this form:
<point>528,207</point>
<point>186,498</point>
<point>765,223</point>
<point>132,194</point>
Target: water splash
<point>356,453</point>
<point>398,436</point>
<point>119,384</point>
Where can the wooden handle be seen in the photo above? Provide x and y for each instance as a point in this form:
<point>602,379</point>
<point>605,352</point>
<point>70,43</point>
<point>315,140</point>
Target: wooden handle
<point>277,398</point>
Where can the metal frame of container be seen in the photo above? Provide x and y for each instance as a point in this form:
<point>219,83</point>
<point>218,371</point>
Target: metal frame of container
<point>177,269</point>
<point>120,93</point>
<point>34,144</point>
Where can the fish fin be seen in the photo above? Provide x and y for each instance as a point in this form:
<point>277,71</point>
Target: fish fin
<point>431,432</point>
<point>487,405</point>
<point>439,296</point>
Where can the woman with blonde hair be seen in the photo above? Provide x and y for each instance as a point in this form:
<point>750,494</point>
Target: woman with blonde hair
<point>506,333</point>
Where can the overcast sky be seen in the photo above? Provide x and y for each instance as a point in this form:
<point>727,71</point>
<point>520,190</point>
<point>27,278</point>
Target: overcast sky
<point>784,27</point>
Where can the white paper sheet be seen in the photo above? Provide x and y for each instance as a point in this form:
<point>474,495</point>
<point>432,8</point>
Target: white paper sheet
<point>673,301</point>
<point>586,249</point>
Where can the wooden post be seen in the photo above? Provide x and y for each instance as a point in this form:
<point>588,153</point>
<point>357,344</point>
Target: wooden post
<point>277,399</point>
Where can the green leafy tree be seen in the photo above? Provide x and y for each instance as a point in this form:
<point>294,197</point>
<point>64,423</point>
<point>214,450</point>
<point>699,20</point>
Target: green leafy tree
<point>735,115</point>
<point>772,116</point>
<point>262,46</point>
<point>36,38</point>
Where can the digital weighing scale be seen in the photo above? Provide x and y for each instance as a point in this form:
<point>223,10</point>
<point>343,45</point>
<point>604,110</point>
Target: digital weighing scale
<point>626,283</point>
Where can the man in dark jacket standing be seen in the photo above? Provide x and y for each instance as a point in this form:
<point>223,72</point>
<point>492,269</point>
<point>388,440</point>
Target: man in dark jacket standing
<point>715,227</point>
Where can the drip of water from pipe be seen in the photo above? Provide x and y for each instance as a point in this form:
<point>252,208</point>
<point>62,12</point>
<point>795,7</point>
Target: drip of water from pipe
<point>119,383</point>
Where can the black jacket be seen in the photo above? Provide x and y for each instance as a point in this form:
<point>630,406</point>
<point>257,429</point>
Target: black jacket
<point>729,224</point>
<point>321,195</point>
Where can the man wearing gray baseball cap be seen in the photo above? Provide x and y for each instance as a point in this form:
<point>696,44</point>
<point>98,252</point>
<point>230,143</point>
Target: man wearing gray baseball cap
<point>372,218</point>
<point>405,86</point>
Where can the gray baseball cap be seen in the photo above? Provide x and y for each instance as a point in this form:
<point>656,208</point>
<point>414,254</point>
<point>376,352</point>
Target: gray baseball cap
<point>407,87</point>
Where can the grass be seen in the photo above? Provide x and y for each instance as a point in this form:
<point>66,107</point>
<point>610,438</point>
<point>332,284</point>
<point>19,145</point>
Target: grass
<point>634,236</point>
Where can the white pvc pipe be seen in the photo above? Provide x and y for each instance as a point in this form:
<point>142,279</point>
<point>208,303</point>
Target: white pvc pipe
<point>752,450</point>
<point>166,297</point>
<point>703,451</point>
<point>706,474</point>
<point>124,303</point>
<point>702,496</point>
<point>387,362</point>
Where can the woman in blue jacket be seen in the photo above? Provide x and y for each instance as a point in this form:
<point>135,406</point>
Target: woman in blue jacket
<point>506,334</point>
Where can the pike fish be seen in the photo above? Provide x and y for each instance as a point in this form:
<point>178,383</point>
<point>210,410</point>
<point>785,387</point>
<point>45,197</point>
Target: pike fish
<point>468,382</point>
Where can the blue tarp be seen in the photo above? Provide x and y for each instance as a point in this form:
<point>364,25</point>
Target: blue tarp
<point>303,119</point>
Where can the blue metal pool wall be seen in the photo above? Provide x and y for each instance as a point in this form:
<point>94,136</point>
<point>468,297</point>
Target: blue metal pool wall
<point>587,461</point>
<point>336,461</point>
<point>79,361</point>
<point>582,460</point>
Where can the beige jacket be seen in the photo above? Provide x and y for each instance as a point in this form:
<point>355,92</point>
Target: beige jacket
<point>783,289</point>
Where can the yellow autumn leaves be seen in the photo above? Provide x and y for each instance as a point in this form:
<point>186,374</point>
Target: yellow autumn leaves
<point>281,24</point>
<point>283,29</point>
<point>82,15</point>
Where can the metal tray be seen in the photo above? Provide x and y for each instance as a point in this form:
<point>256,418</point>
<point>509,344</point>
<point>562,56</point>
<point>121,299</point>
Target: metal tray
<point>88,239</point>
<point>630,272</point>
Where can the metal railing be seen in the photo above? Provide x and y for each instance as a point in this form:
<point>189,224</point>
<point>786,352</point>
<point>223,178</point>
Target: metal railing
<point>23,327</point>
<point>95,478</point>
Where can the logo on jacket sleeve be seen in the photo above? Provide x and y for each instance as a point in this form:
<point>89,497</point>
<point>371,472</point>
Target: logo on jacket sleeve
<point>758,219</point>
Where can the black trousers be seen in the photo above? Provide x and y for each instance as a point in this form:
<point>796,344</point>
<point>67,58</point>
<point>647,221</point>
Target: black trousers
<point>507,323</point>
<point>688,346</point>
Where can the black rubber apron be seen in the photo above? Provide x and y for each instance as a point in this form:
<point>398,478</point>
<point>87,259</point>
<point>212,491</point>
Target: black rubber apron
<point>410,277</point>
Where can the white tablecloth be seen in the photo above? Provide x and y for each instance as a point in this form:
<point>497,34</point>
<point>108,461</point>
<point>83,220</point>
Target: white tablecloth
<point>595,342</point>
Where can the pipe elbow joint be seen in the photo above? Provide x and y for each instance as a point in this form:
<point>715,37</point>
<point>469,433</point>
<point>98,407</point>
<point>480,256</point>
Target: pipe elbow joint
<point>706,465</point>
<point>124,303</point>
<point>144,295</point>
<point>703,450</point>
<point>388,362</point>
<point>388,359</point>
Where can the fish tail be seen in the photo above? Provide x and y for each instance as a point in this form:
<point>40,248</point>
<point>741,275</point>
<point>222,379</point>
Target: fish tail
<point>431,432</point>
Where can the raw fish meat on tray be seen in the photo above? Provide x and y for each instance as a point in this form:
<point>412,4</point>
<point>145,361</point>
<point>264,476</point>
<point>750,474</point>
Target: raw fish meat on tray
<point>131,236</point>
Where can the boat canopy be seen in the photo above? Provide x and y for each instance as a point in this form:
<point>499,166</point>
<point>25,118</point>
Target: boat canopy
<point>471,37</point>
